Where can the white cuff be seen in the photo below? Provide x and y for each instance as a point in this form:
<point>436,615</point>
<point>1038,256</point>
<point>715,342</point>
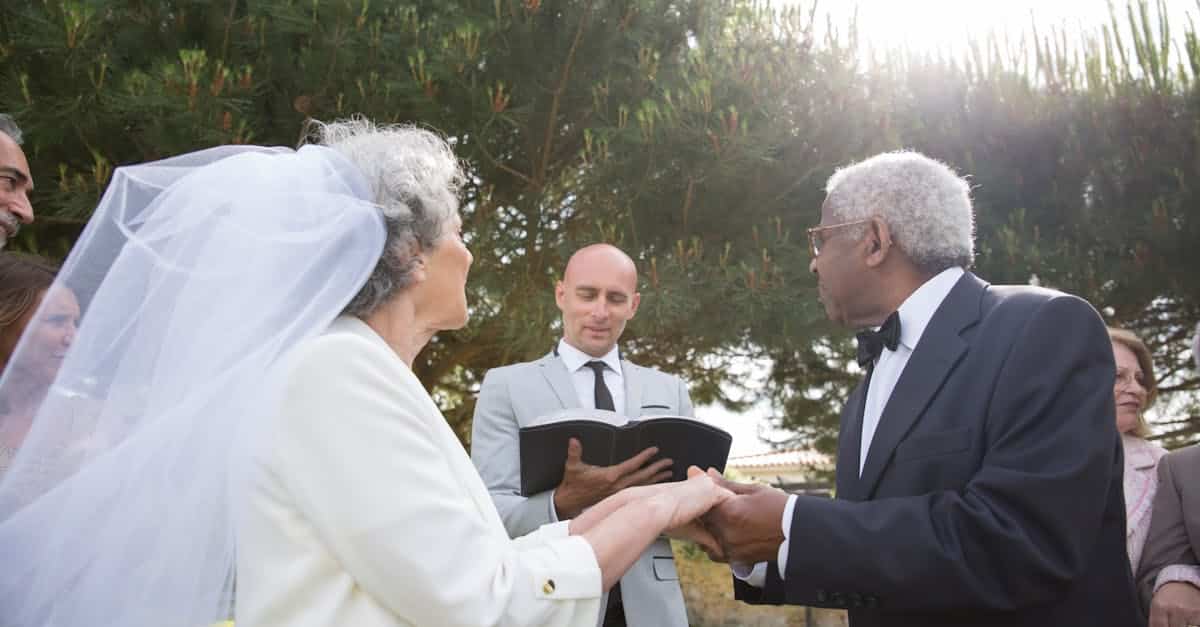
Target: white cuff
<point>555,530</point>
<point>786,522</point>
<point>553,511</point>
<point>755,575</point>
<point>565,568</point>
<point>1177,573</point>
<point>548,532</point>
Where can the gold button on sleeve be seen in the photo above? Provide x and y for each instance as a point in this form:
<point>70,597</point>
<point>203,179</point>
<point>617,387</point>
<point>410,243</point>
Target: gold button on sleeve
<point>548,587</point>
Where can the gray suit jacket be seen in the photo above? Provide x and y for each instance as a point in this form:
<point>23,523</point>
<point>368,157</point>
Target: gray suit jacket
<point>1174,536</point>
<point>510,398</point>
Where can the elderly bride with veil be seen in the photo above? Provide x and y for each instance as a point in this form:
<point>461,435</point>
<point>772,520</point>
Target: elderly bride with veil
<point>239,404</point>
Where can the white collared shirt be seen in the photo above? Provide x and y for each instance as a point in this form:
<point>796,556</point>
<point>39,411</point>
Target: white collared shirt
<point>915,313</point>
<point>585,381</point>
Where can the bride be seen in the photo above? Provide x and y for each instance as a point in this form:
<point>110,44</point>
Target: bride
<point>251,316</point>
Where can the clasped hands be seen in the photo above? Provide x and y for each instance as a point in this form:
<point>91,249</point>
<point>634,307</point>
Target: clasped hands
<point>741,524</point>
<point>730,521</point>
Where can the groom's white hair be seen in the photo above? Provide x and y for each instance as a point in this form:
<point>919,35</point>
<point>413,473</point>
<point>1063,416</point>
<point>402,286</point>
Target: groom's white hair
<point>925,204</point>
<point>415,178</point>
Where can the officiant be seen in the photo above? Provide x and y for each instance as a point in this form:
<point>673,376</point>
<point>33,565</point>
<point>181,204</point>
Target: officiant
<point>597,296</point>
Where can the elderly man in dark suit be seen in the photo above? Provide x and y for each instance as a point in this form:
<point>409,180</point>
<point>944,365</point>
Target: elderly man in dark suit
<point>1169,575</point>
<point>979,468</point>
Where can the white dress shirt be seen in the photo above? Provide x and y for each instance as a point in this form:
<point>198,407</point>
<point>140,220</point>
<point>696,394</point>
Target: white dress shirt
<point>585,380</point>
<point>915,313</point>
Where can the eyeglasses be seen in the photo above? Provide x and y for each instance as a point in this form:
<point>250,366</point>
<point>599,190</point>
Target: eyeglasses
<point>1126,379</point>
<point>816,240</point>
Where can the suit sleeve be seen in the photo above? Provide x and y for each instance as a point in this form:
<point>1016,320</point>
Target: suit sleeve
<point>368,470</point>
<point>1019,533</point>
<point>771,593</point>
<point>496,452</point>
<point>1167,542</point>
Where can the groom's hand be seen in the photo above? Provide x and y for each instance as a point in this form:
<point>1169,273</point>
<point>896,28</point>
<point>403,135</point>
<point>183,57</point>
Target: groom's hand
<point>583,485</point>
<point>748,525</point>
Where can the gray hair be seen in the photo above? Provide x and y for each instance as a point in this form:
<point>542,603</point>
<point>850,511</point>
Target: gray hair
<point>925,204</point>
<point>9,127</point>
<point>415,178</point>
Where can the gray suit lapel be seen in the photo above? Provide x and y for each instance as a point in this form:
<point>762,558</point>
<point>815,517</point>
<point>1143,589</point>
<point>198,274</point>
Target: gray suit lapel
<point>633,389</point>
<point>556,375</point>
<point>937,352</point>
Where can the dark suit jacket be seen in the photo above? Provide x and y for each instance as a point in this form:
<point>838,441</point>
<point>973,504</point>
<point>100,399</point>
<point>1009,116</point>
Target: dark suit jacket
<point>1174,536</point>
<point>991,493</point>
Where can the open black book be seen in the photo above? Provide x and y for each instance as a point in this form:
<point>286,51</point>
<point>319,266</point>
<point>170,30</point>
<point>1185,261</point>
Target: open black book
<point>687,441</point>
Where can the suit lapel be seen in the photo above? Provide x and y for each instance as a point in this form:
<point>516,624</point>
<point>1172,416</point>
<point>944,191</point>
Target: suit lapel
<point>633,390</point>
<point>850,443</point>
<point>937,352</point>
<point>559,379</point>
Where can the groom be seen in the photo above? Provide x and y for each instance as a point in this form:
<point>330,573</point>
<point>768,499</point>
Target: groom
<point>979,468</point>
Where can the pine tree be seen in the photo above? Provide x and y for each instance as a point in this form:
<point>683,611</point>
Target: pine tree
<point>696,134</point>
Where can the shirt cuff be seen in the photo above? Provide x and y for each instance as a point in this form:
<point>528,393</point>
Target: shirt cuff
<point>787,532</point>
<point>1177,573</point>
<point>755,575</point>
<point>553,511</point>
<point>555,530</point>
<point>565,568</point>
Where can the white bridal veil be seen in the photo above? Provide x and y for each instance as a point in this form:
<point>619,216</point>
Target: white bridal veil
<point>194,275</point>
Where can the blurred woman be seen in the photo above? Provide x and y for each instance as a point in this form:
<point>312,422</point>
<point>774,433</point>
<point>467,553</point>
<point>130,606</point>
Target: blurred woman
<point>25,283</point>
<point>1134,391</point>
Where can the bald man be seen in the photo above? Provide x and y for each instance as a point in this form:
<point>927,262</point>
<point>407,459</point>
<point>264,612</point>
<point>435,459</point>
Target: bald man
<point>597,296</point>
<point>15,181</point>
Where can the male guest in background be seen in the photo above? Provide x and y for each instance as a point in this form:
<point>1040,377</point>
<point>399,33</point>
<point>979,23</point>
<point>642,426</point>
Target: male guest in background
<point>597,296</point>
<point>979,469</point>
<point>1169,574</point>
<point>15,181</point>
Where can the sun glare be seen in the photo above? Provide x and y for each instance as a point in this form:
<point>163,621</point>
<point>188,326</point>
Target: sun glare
<point>947,25</point>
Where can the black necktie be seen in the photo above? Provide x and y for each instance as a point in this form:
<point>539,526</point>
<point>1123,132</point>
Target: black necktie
<point>614,614</point>
<point>603,396</point>
<point>872,343</point>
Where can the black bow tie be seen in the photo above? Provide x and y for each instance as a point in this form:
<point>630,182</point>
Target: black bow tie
<point>872,343</point>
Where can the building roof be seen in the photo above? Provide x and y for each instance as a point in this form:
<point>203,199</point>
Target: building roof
<point>791,458</point>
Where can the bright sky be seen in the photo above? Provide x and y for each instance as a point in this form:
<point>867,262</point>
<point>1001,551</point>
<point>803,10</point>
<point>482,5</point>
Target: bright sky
<point>942,24</point>
<point>744,427</point>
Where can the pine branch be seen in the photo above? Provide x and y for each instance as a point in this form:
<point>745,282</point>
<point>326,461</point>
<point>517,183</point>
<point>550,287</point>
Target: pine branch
<point>552,118</point>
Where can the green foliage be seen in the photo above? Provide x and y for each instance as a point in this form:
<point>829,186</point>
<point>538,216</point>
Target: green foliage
<point>696,134</point>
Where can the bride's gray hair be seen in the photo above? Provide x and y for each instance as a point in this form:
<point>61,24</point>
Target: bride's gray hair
<point>926,206</point>
<point>416,181</point>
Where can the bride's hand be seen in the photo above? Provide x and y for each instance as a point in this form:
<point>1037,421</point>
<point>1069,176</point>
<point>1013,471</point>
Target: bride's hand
<point>697,533</point>
<point>687,500</point>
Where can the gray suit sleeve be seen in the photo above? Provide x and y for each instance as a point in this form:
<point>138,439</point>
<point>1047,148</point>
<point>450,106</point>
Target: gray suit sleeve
<point>495,451</point>
<point>1167,541</point>
<point>685,399</point>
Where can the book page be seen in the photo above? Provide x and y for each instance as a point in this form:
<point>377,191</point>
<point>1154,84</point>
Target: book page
<point>599,415</point>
